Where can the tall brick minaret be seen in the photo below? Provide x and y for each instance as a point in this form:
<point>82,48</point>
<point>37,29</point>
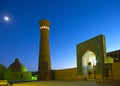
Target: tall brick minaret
<point>44,65</point>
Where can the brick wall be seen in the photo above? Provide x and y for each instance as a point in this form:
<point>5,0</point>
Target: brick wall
<point>66,74</point>
<point>116,70</point>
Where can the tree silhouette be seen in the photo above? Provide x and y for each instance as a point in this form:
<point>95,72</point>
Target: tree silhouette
<point>2,71</point>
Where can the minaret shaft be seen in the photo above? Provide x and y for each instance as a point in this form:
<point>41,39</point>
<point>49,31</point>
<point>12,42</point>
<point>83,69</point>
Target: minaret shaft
<point>44,54</point>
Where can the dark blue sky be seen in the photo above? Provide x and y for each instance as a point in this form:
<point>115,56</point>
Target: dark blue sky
<point>72,22</point>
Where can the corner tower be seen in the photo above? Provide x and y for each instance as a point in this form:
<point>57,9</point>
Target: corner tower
<point>44,52</point>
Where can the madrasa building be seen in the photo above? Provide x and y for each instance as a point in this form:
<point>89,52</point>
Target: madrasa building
<point>92,60</point>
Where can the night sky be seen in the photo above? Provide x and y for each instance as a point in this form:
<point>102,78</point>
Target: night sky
<point>72,22</point>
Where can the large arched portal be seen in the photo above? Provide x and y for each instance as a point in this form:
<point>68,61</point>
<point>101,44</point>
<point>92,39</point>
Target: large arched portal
<point>91,55</point>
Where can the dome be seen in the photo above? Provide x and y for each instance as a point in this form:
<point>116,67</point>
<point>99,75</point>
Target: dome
<point>17,66</point>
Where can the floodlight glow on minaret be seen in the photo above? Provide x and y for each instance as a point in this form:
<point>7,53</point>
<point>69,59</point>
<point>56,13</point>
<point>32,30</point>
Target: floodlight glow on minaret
<point>44,65</point>
<point>44,27</point>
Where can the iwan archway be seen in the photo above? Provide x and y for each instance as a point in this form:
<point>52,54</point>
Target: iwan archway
<point>89,64</point>
<point>90,57</point>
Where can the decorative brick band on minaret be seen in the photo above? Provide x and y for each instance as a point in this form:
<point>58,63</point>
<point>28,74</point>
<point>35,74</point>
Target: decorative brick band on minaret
<point>44,52</point>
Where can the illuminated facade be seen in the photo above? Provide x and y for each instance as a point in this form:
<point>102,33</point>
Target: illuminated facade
<point>91,55</point>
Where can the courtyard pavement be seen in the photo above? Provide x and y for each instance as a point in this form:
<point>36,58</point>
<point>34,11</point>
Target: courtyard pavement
<point>58,83</point>
<point>109,83</point>
<point>70,83</point>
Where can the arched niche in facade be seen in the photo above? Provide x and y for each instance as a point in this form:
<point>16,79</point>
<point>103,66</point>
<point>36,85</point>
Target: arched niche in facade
<point>89,57</point>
